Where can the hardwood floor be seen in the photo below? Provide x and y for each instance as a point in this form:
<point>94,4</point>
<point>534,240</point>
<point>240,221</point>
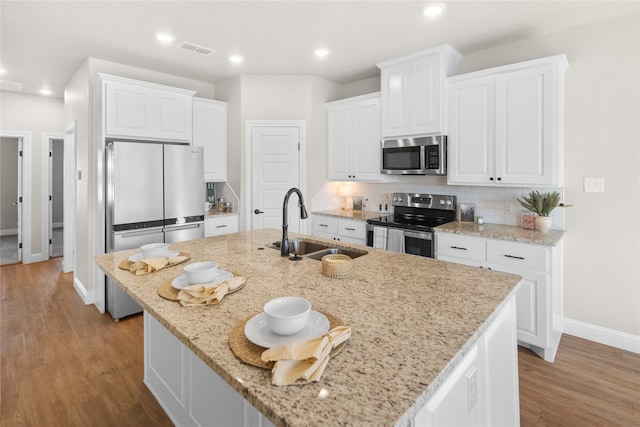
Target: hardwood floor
<point>64,364</point>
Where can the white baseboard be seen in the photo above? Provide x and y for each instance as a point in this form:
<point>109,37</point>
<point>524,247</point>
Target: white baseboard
<point>602,335</point>
<point>86,296</point>
<point>9,232</point>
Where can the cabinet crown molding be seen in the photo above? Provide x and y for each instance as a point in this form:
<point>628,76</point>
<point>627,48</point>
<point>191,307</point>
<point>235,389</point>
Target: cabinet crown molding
<point>444,49</point>
<point>559,61</point>
<point>100,77</point>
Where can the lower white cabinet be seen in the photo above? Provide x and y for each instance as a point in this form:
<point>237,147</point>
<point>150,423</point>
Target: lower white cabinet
<point>219,225</point>
<point>539,298</point>
<point>188,390</point>
<point>342,229</point>
<point>482,390</point>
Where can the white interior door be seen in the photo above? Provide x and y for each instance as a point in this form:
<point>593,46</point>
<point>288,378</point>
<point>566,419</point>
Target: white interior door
<point>275,168</point>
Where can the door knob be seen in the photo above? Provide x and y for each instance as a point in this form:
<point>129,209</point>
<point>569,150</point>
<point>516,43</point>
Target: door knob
<point>15,203</point>
<point>257,211</point>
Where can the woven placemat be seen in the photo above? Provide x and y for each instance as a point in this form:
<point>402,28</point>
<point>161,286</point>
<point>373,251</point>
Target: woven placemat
<point>167,291</point>
<point>251,353</point>
<point>126,264</point>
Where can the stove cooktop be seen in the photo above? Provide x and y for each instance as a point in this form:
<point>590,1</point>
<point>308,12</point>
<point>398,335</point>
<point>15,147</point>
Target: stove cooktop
<point>420,212</point>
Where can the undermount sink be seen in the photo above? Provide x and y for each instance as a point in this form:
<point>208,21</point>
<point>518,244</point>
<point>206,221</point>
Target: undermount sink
<point>318,250</point>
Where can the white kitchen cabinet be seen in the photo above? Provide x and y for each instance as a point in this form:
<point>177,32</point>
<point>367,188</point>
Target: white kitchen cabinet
<point>341,229</point>
<point>538,299</point>
<point>219,225</point>
<point>413,91</point>
<point>505,125</point>
<point>482,390</point>
<point>190,392</point>
<point>210,132</point>
<point>354,152</point>
<point>141,110</point>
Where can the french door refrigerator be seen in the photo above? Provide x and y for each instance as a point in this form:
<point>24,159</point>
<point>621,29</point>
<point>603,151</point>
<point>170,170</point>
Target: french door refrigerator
<point>154,193</point>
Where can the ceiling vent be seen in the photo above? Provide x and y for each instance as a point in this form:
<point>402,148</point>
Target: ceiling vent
<point>11,86</point>
<point>192,47</point>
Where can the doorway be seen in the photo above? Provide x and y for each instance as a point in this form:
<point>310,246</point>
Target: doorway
<point>275,153</point>
<point>56,197</point>
<point>10,200</point>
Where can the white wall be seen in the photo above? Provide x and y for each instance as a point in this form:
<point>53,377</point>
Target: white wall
<point>35,114</point>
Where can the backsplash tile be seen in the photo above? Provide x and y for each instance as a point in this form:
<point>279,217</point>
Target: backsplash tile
<point>496,205</point>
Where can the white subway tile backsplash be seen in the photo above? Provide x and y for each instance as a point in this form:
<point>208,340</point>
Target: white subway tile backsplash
<point>491,202</point>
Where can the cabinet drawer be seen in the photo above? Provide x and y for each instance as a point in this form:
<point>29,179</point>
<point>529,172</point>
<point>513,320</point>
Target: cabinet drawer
<point>468,248</point>
<point>325,224</point>
<point>218,226</point>
<point>351,228</point>
<point>517,255</point>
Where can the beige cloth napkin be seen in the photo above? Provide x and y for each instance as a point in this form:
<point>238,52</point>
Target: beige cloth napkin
<point>209,293</point>
<point>304,361</point>
<point>150,265</point>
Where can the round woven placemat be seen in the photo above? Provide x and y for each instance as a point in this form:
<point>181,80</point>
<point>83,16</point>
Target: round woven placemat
<point>167,291</point>
<point>251,353</point>
<point>125,264</point>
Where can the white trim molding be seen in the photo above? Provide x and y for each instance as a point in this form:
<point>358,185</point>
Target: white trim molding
<point>86,296</point>
<point>610,337</point>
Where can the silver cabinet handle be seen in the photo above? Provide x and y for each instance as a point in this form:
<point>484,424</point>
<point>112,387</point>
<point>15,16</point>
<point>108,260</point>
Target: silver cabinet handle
<point>459,248</point>
<point>350,229</point>
<point>221,226</point>
<point>323,225</point>
<point>514,257</point>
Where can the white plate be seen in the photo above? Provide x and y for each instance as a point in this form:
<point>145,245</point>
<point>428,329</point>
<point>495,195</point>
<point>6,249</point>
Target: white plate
<point>138,256</point>
<point>181,281</point>
<point>257,331</point>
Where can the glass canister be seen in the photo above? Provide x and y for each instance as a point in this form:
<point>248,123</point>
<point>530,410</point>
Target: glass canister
<point>529,220</point>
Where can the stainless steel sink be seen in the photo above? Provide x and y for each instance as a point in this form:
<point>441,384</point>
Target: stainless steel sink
<point>316,251</point>
<point>353,253</point>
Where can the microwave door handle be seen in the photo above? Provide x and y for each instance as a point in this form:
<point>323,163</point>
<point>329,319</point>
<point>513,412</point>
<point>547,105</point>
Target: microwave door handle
<point>423,158</point>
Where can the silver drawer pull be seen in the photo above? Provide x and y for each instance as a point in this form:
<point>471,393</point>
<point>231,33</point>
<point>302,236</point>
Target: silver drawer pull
<point>350,229</point>
<point>221,226</point>
<point>514,257</point>
<point>323,225</point>
<point>459,248</point>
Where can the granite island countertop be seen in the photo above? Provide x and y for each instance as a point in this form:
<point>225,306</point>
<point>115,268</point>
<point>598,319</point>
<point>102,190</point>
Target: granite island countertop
<point>412,318</point>
<point>351,214</point>
<point>502,232</point>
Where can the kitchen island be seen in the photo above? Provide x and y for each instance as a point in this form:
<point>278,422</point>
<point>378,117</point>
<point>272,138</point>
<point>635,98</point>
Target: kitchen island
<point>415,323</point>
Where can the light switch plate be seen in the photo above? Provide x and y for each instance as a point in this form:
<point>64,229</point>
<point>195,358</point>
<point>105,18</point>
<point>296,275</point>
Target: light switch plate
<point>594,185</point>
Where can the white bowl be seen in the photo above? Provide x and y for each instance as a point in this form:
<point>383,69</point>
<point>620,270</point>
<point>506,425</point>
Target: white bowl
<point>154,250</point>
<point>287,315</point>
<point>201,272</point>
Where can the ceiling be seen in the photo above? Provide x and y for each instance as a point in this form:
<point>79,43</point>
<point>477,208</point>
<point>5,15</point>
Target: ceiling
<point>42,43</point>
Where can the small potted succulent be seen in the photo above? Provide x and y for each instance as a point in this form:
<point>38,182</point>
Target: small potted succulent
<point>542,204</point>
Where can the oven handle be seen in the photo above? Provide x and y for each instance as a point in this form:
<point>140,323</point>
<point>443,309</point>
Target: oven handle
<point>418,235</point>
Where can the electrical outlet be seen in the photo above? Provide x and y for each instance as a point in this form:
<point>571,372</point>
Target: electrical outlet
<point>594,185</point>
<point>508,207</point>
<point>472,390</point>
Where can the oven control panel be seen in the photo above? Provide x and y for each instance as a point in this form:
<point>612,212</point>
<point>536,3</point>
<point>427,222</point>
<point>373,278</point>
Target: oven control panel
<point>429,201</point>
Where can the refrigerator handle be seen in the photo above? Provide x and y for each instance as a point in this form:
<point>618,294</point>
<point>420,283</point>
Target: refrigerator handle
<point>182,226</point>
<point>135,233</point>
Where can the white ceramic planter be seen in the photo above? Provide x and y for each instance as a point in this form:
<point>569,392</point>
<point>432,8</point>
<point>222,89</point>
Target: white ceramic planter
<point>543,224</point>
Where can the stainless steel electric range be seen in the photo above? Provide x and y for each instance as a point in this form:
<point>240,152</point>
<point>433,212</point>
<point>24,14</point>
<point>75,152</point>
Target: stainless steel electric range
<point>410,228</point>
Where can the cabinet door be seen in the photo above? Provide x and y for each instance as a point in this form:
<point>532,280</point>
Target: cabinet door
<point>339,141</point>
<point>524,137</point>
<point>395,104</point>
<point>171,116</point>
<point>352,231</point>
<point>210,132</point>
<point>426,95</point>
<point>471,142</point>
<point>366,130</point>
<point>128,109</point>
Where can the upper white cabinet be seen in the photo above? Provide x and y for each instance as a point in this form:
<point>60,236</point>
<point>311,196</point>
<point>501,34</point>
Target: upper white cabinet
<point>141,110</point>
<point>354,139</point>
<point>413,91</point>
<point>505,125</point>
<point>210,132</point>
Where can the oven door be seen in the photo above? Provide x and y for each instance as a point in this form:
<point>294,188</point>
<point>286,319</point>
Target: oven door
<point>419,243</point>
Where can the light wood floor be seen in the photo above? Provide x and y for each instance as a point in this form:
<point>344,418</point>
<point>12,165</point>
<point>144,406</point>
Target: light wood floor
<point>64,364</point>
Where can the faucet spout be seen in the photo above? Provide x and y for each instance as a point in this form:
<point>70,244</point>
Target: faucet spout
<point>284,245</point>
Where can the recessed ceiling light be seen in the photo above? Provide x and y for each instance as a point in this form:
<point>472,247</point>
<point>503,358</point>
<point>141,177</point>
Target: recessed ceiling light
<point>165,37</point>
<point>45,91</point>
<point>321,52</point>
<point>434,9</point>
<point>236,58</point>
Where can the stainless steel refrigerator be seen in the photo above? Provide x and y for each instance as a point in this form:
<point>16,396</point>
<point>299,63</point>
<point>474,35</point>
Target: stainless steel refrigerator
<point>154,193</point>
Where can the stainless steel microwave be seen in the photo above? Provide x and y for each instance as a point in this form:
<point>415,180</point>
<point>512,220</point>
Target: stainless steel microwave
<point>423,155</point>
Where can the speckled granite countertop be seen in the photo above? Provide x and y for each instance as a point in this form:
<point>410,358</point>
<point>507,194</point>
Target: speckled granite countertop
<point>413,319</point>
<point>343,213</point>
<point>502,232</point>
<point>212,213</point>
